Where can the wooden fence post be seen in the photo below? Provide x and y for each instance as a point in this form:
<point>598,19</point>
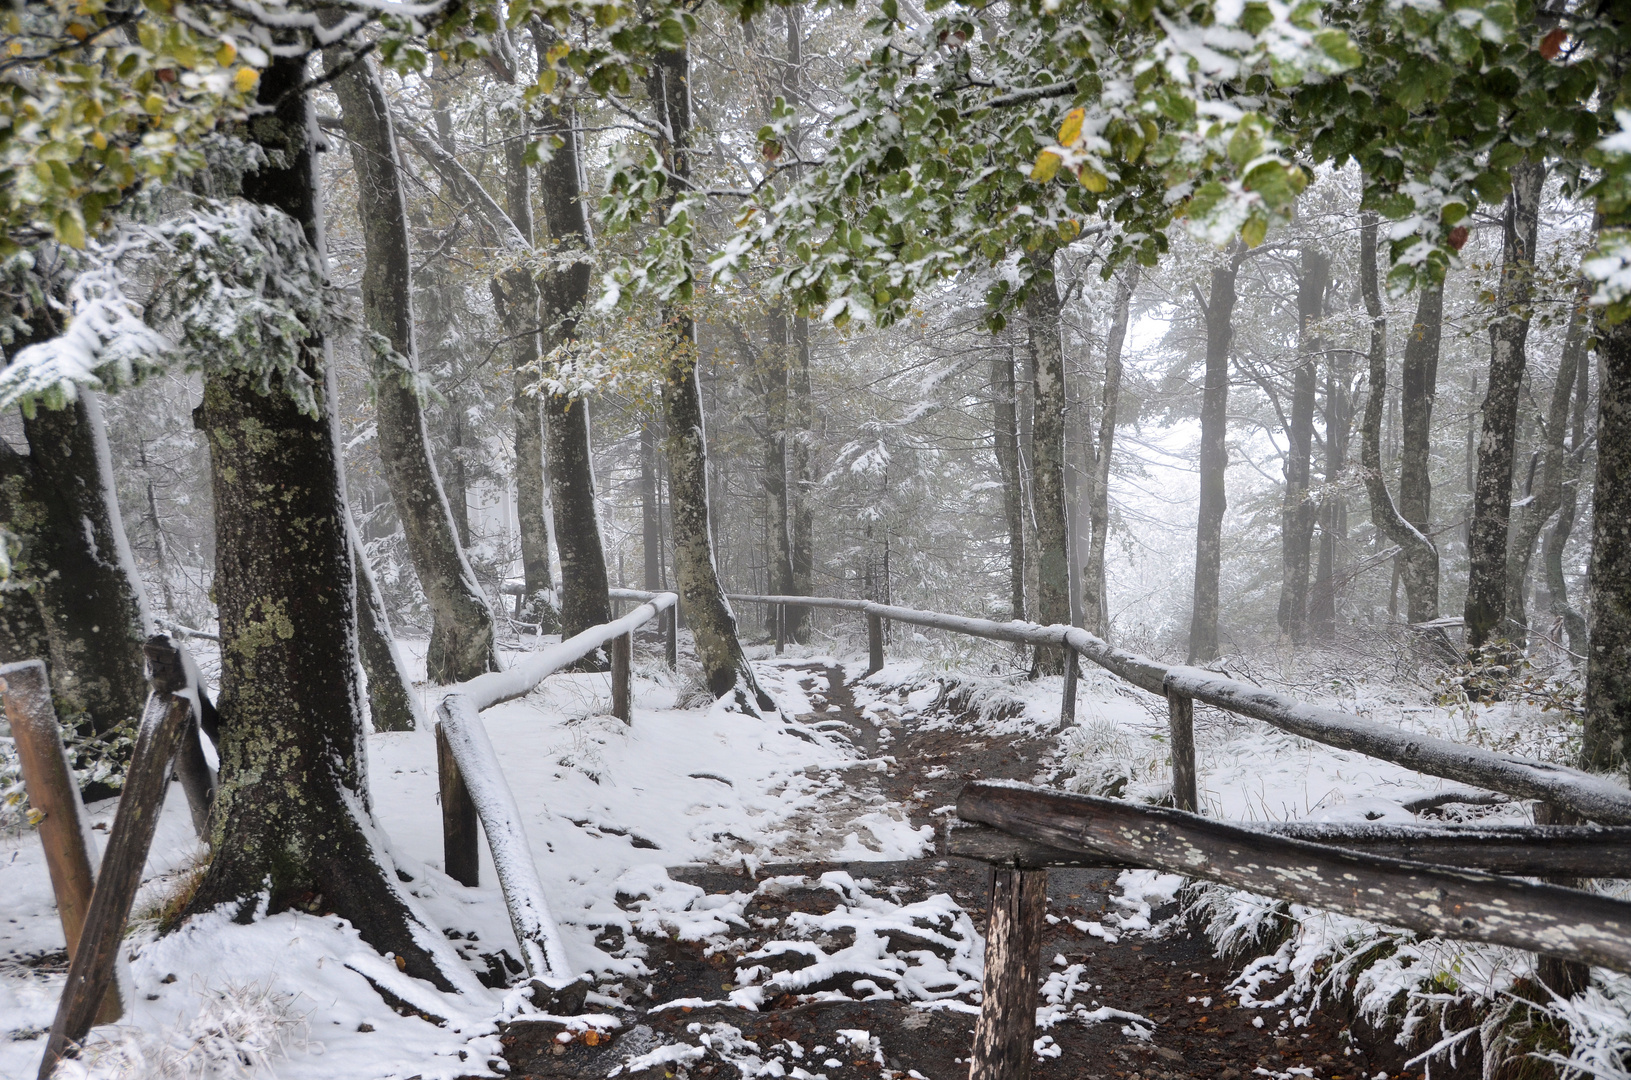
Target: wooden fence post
<point>90,973</point>
<point>1181,725</point>
<point>1067,702</point>
<point>53,794</point>
<point>874,643</point>
<point>196,776</point>
<point>673,645</point>
<point>1013,965</point>
<point>622,657</point>
<point>461,847</point>
<point>1565,978</point>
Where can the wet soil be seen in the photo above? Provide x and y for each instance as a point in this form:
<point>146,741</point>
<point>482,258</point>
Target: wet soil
<point>1172,980</point>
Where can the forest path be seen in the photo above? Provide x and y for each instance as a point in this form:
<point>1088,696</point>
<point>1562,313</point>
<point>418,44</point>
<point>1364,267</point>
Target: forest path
<point>870,968</point>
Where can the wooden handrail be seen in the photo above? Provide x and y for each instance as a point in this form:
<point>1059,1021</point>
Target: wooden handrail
<point>1594,798</point>
<point>472,785</point>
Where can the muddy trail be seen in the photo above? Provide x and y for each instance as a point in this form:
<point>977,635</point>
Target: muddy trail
<point>861,970</point>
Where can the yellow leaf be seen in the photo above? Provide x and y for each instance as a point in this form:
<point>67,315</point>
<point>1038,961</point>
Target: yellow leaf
<point>78,31</point>
<point>227,53</point>
<point>1046,167</point>
<point>154,103</point>
<point>245,80</point>
<point>35,815</point>
<point>1092,179</point>
<point>70,229</point>
<point>99,140</point>
<point>15,47</point>
<point>1071,129</point>
<point>1069,229</point>
<point>1254,230</point>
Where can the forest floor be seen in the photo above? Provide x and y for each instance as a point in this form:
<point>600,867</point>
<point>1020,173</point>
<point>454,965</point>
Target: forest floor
<point>753,898</point>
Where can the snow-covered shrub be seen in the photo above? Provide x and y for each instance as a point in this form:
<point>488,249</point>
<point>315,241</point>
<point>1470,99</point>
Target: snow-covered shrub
<point>237,1032</point>
<point>13,800</point>
<point>1104,758</point>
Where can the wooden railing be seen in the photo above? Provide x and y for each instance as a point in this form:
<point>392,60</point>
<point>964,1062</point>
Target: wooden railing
<point>1351,869</point>
<point>473,787</point>
<point>94,916</point>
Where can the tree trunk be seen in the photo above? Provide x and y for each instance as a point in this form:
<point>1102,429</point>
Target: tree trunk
<point>392,705</point>
<point>725,669</point>
<point>1048,459</point>
<point>571,465</point>
<point>1418,559</point>
<point>1508,333</point>
<point>292,823</point>
<point>1006,440</point>
<point>515,294</point>
<point>774,359</point>
<point>650,516</point>
<point>1608,676</point>
<point>1299,510</point>
<point>81,607</point>
<point>1557,586</point>
<point>1095,609</point>
<point>1542,499</point>
<point>1418,388</point>
<point>462,638</point>
<point>1322,610</point>
<point>1218,311</point>
<point>799,419</point>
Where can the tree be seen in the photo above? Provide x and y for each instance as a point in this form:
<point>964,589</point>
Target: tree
<point>293,826</point>
<point>462,640</point>
<point>1557,588</point>
<point>725,669</point>
<point>1005,440</point>
<point>1042,324</point>
<point>1418,558</point>
<point>571,477</point>
<point>81,606</point>
<point>1218,311</point>
<point>1508,332</point>
<point>1300,509</point>
<point>1095,607</point>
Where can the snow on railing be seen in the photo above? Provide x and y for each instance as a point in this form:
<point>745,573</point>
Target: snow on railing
<point>1593,797</point>
<point>473,786</point>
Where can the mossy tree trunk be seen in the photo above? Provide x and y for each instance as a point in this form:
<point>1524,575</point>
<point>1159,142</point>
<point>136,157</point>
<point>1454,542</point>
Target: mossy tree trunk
<point>1508,335</point>
<point>725,669</point>
<point>78,600</point>
<point>1608,676</point>
<point>1043,323</point>
<point>1005,432</point>
<point>293,821</point>
<point>584,579</point>
<point>462,639</point>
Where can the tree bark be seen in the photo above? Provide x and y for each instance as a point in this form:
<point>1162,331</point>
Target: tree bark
<point>1508,334</point>
<point>799,420</point>
<point>1418,388</point>
<point>1299,510</point>
<point>1557,586</point>
<point>1218,311</point>
<point>1048,458</point>
<point>391,702</point>
<point>1544,495</point>
<point>1095,609</point>
<point>1608,676</point>
<point>462,638</point>
<point>725,669</point>
<point>1322,613</point>
<point>1418,558</point>
<point>650,516</point>
<point>292,824</point>
<point>571,466</point>
<point>1006,440</point>
<point>774,361</point>
<point>80,607</point>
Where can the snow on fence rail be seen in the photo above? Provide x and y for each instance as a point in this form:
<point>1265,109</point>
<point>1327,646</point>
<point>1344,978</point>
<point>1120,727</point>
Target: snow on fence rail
<point>1058,829</point>
<point>1594,798</point>
<point>473,785</point>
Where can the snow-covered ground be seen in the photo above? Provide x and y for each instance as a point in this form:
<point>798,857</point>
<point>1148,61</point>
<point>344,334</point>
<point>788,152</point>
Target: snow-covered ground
<point>602,802</point>
<point>608,806</point>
